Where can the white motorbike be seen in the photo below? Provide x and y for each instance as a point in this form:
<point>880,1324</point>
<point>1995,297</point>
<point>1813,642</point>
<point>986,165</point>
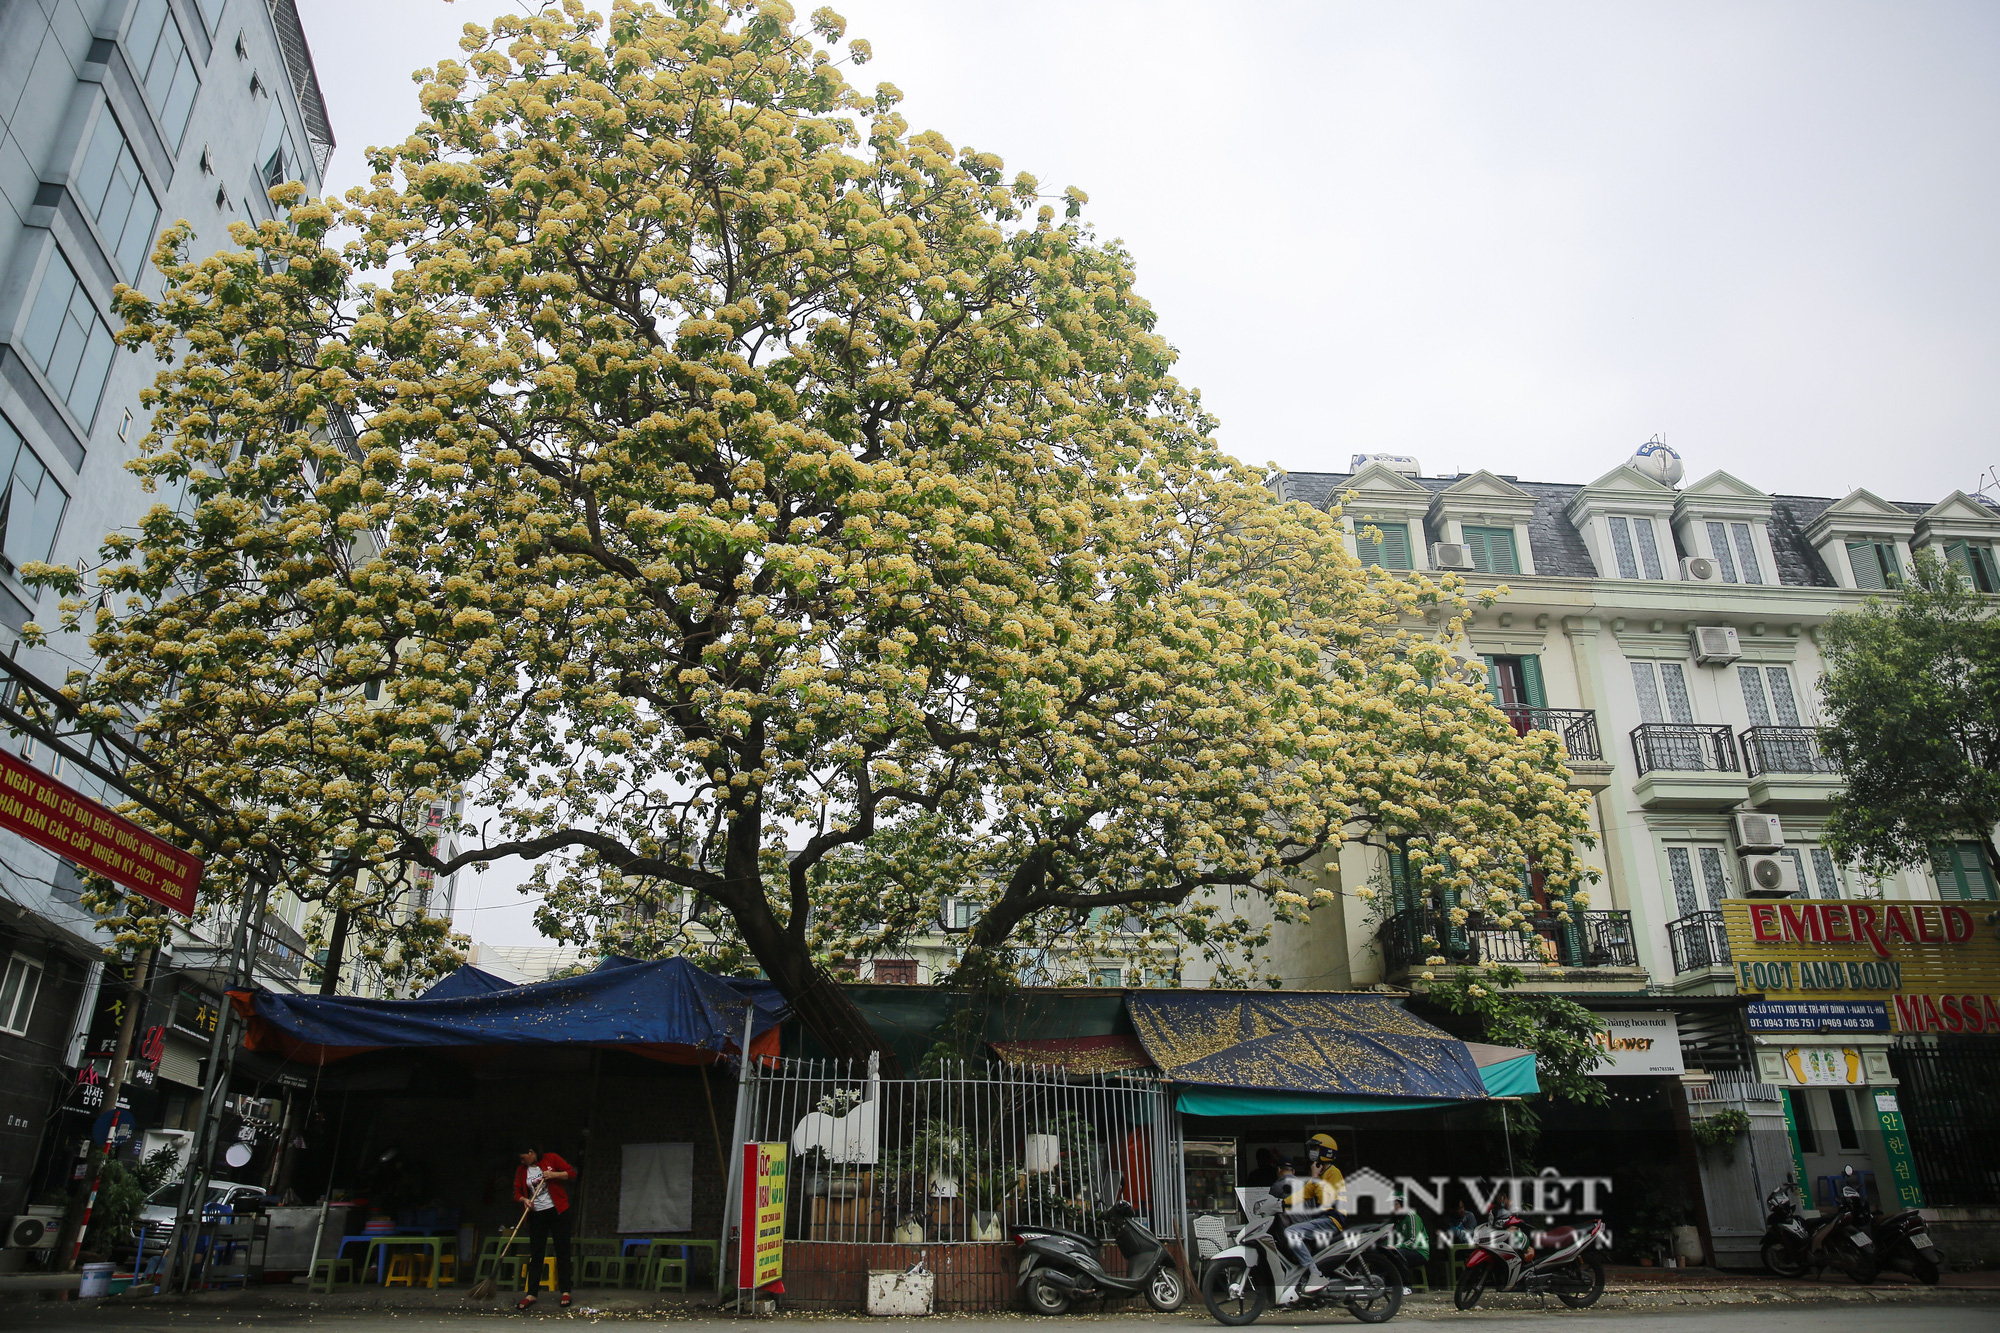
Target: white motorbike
<point>1258,1271</point>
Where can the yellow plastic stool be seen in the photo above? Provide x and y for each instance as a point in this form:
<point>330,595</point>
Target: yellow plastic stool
<point>402,1271</point>
<point>548,1272</point>
<point>447,1269</point>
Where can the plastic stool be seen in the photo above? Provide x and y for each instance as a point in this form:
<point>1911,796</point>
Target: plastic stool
<point>402,1271</point>
<point>331,1275</point>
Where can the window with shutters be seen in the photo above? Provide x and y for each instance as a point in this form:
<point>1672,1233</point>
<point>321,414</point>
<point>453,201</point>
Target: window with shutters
<point>1963,872</point>
<point>1390,551</point>
<point>1875,565</point>
<point>115,194</point>
<point>19,985</point>
<point>158,54</point>
<point>1976,563</point>
<point>1492,550</point>
<point>1635,547</point>
<point>1110,978</point>
<point>69,340</point>
<point>1516,685</point>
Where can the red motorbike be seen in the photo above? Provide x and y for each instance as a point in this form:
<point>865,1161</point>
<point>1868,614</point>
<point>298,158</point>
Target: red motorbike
<point>1567,1262</point>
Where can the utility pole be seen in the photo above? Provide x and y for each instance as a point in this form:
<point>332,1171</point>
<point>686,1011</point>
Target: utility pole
<point>142,967</point>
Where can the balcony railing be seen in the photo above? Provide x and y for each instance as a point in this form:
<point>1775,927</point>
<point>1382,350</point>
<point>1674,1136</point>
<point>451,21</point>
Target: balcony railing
<point>1698,941</point>
<point>1785,750</point>
<point>1587,939</point>
<point>1576,726</point>
<point>1684,748</point>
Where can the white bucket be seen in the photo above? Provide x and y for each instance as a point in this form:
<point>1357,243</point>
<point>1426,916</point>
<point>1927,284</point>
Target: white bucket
<point>96,1281</point>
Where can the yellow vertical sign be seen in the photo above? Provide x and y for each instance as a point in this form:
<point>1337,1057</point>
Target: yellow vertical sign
<point>761,1244</point>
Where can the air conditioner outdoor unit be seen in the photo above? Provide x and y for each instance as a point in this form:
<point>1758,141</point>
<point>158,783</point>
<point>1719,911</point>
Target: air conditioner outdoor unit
<point>1716,645</point>
<point>1758,833</point>
<point>1699,569</point>
<point>35,1229</point>
<point>1769,877</point>
<point>1450,555</point>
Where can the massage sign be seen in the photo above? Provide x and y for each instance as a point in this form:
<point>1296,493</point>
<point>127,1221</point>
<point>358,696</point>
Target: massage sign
<point>1933,967</point>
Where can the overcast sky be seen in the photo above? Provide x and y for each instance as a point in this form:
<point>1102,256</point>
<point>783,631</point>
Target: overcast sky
<point>1520,236</point>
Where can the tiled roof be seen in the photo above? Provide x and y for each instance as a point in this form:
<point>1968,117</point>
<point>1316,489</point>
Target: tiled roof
<point>1558,546</point>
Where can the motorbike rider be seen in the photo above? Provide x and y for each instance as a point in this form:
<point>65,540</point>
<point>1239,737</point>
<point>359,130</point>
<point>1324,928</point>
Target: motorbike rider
<point>1315,1204</point>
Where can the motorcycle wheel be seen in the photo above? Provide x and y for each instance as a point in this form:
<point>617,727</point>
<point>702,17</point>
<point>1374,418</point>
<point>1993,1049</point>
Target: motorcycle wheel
<point>1925,1270</point>
<point>1382,1306</point>
<point>1861,1267</point>
<point>1166,1292</point>
<point>1045,1297</point>
<point>1471,1286</point>
<point>1592,1267</point>
<point>1783,1260</point>
<point>1234,1311</point>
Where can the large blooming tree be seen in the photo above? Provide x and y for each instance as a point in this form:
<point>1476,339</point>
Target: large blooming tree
<point>738,478</point>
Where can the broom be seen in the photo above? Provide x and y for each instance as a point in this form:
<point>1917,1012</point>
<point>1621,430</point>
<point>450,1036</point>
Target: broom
<point>489,1287</point>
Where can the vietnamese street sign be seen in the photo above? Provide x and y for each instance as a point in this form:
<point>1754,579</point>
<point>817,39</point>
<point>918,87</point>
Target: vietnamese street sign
<point>59,817</point>
<point>1818,1016</point>
<point>761,1243</point>
<point>1639,1043</point>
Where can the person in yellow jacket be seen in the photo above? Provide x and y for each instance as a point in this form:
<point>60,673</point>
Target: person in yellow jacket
<point>1320,1150</point>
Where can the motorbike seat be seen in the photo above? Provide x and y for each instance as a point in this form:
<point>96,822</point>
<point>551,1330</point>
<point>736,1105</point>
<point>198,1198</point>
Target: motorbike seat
<point>1557,1237</point>
<point>1896,1218</point>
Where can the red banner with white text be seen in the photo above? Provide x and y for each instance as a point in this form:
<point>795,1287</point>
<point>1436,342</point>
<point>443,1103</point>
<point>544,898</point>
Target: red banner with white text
<point>59,817</point>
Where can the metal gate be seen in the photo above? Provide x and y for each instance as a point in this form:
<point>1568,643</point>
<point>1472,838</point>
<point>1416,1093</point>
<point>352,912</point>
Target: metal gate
<point>1734,1182</point>
<point>885,1172</point>
<point>1950,1097</point>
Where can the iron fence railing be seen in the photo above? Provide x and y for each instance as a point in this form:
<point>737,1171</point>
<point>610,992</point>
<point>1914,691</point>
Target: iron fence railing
<point>1685,748</point>
<point>1698,941</point>
<point>968,1155</point>
<point>1576,726</point>
<point>1587,939</point>
<point>1785,750</point>
<point>1950,1094</point>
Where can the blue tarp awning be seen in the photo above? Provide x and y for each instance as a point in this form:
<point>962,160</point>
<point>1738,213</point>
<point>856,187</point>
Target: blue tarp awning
<point>1246,1053</point>
<point>668,1010</point>
<point>467,980</point>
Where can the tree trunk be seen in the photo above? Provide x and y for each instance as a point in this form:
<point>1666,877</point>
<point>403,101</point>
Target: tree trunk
<point>336,946</point>
<point>816,998</point>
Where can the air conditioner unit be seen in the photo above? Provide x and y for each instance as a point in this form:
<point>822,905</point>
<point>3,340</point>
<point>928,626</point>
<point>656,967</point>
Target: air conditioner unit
<point>1769,877</point>
<point>1699,569</point>
<point>1450,555</point>
<point>1758,833</point>
<point>35,1229</point>
<point>1715,645</point>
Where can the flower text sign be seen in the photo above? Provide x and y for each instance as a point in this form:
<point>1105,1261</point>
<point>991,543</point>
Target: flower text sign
<point>54,815</point>
<point>1935,966</point>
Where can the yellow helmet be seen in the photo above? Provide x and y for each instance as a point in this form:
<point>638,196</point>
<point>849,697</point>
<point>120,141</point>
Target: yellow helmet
<point>1324,1142</point>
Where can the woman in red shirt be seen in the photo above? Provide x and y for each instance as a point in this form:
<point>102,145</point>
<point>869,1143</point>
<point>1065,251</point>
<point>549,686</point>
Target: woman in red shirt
<point>538,1183</point>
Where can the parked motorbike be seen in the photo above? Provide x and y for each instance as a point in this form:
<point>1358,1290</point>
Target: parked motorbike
<point>1903,1243</point>
<point>1057,1266</point>
<point>1787,1245</point>
<point>1570,1265</point>
<point>1845,1240</point>
<point>1258,1270</point>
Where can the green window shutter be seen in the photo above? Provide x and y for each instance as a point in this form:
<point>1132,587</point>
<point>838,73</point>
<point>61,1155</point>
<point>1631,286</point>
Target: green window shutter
<point>1392,552</point>
<point>1492,675</point>
<point>1400,893</point>
<point>1492,550</point>
<point>1866,561</point>
<point>1987,579</point>
<point>1531,682</point>
<point>1962,872</point>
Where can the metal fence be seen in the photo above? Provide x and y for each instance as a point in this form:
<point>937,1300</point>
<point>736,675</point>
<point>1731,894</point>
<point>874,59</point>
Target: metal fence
<point>1785,750</point>
<point>966,1156</point>
<point>1587,939</point>
<point>1698,940</point>
<point>1681,747</point>
<point>1950,1094</point>
<point>1576,726</point>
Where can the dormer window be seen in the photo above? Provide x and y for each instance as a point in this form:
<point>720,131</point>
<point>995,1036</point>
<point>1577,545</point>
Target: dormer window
<point>1875,565</point>
<point>1735,552</point>
<point>1976,563</point>
<point>1492,550</point>
<point>1634,547</point>
<point>1384,544</point>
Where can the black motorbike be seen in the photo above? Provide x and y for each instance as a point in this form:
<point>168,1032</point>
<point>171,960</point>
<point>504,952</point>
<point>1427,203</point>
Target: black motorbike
<point>1057,1266</point>
<point>1787,1247</point>
<point>1903,1243</point>
<point>1845,1240</point>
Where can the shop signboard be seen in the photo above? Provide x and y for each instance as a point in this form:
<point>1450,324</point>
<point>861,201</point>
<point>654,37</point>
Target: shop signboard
<point>1818,1016</point>
<point>761,1249</point>
<point>57,816</point>
<point>1896,1143</point>
<point>1639,1043</point>
<point>1933,967</point>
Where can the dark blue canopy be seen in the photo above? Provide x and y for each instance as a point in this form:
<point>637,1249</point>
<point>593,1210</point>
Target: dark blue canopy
<point>669,1010</point>
<point>467,980</point>
<point>1328,1043</point>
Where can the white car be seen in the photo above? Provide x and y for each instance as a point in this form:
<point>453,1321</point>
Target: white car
<point>158,1214</point>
